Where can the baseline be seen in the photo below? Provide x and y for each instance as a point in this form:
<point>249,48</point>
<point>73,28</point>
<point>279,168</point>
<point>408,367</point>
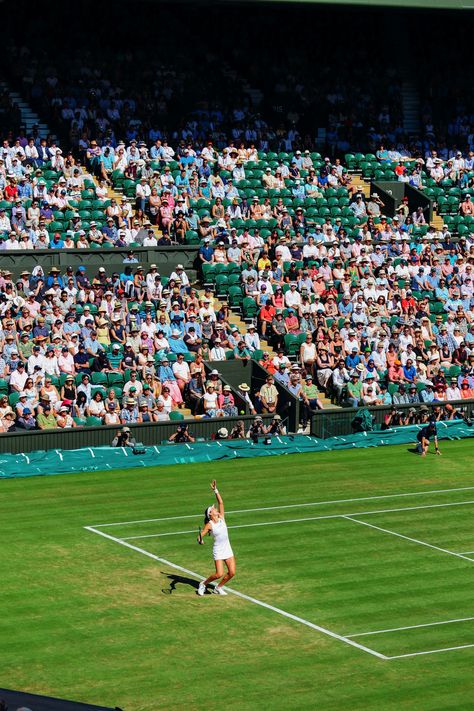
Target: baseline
<point>254,600</point>
<point>290,506</point>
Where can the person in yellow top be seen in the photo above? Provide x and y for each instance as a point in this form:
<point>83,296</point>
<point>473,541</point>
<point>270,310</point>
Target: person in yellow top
<point>103,333</point>
<point>264,261</point>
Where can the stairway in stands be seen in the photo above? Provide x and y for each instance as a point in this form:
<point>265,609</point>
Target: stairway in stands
<point>235,319</point>
<point>410,107</point>
<point>363,185</point>
<point>29,118</point>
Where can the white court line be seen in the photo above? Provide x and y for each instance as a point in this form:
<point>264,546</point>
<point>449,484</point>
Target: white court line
<point>289,506</point>
<point>310,518</point>
<point>283,613</point>
<point>466,553</point>
<point>410,627</point>
<point>407,538</point>
<point>432,651</point>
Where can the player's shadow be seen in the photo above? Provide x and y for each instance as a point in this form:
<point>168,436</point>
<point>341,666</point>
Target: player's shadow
<point>413,450</point>
<point>175,579</point>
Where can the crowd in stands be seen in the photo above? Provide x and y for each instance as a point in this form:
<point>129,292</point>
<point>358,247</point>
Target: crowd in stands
<point>234,91</point>
<point>339,299</point>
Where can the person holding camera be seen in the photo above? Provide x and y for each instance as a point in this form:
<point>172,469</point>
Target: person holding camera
<point>123,438</point>
<point>238,431</point>
<point>257,429</point>
<point>182,435</point>
<point>393,418</point>
<point>276,426</point>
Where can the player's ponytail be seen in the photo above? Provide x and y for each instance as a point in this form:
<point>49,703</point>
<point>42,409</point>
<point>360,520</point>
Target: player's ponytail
<point>206,515</point>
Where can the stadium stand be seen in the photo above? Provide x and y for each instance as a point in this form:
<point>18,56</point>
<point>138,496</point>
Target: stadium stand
<point>277,181</point>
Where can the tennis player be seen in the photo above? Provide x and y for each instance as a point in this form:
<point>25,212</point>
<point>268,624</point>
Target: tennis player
<point>214,524</point>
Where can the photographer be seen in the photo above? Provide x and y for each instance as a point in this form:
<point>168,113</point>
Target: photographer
<point>276,426</point>
<point>238,431</point>
<point>181,435</point>
<point>394,418</point>
<point>123,438</point>
<point>257,429</point>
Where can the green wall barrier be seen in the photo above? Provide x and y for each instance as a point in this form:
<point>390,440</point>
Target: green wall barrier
<point>166,259</point>
<point>108,458</point>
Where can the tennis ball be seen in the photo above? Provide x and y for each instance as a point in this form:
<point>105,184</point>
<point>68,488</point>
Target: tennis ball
<point>242,412</point>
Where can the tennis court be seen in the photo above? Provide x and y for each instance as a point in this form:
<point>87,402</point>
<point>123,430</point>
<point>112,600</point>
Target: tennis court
<point>389,575</point>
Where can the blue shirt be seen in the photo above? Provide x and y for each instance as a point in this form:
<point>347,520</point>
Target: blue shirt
<point>177,345</point>
<point>206,252</point>
<point>345,309</point>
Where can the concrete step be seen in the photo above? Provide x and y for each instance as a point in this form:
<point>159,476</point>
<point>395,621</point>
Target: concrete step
<point>361,183</point>
<point>28,117</point>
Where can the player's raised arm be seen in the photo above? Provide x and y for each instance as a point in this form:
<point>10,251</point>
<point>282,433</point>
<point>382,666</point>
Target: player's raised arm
<point>218,497</point>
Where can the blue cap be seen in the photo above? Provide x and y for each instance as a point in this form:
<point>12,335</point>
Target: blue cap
<point>26,411</point>
<point>81,269</point>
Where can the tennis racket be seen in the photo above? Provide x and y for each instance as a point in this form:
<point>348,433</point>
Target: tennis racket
<point>199,538</point>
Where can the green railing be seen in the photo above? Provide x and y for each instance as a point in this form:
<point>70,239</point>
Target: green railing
<point>335,423</point>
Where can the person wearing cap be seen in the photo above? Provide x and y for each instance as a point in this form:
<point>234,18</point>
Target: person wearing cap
<point>466,207</point>
<point>123,438</point>
<point>354,388</point>
<point>129,413</point>
<point>26,419</point>
<point>374,205</point>
<point>276,427</point>
<point>310,399</point>
<point>425,435</point>
<point>453,392</point>
<point>64,418</point>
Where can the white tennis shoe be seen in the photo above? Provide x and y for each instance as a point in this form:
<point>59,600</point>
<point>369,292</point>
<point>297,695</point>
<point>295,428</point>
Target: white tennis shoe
<point>201,589</point>
<point>219,591</point>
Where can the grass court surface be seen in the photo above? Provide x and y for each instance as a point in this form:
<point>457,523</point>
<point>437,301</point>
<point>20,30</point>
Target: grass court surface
<point>354,586</point>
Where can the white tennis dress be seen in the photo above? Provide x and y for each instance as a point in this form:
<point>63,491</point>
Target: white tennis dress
<point>221,549</point>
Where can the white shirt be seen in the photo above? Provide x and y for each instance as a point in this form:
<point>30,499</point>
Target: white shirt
<point>181,371</point>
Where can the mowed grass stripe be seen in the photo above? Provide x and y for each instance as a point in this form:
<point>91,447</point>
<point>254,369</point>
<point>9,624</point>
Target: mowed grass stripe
<point>88,619</point>
<point>451,527</point>
<point>363,574</point>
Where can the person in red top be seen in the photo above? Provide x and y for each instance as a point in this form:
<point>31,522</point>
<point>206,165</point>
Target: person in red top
<point>266,316</point>
<point>11,191</point>
<point>267,364</point>
<point>408,302</point>
<point>395,373</point>
<point>466,392</point>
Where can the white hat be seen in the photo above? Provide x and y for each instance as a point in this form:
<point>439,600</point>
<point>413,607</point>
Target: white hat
<point>223,432</point>
<point>214,372</point>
